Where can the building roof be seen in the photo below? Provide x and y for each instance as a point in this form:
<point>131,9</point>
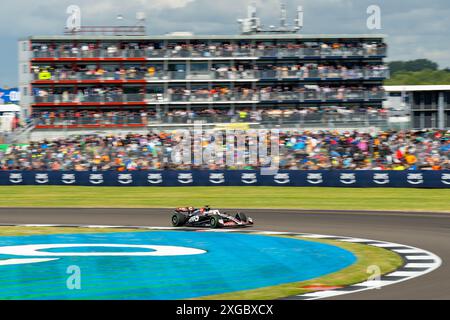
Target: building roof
<point>417,88</point>
<point>206,37</point>
<point>9,108</point>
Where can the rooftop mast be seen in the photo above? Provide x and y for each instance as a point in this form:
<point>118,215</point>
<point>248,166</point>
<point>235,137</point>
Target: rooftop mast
<point>73,28</point>
<point>283,16</point>
<point>252,24</point>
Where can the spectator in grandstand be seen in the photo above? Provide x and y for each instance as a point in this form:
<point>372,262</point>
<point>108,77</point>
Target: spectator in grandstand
<point>203,49</point>
<point>327,115</point>
<point>240,71</point>
<point>300,150</point>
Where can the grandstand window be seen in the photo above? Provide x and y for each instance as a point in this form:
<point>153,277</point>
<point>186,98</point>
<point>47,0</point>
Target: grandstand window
<point>428,119</point>
<point>417,120</point>
<point>427,100</point>
<point>417,98</point>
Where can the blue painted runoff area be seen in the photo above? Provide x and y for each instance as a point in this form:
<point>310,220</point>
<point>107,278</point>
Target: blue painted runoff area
<point>229,262</point>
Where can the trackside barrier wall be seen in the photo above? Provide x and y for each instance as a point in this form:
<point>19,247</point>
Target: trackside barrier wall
<point>394,179</point>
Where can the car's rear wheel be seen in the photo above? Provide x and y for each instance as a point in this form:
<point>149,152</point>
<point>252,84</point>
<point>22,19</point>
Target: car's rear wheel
<point>178,219</point>
<point>241,216</point>
<point>214,221</point>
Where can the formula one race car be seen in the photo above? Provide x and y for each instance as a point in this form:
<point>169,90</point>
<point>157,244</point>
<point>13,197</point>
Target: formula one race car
<point>206,217</point>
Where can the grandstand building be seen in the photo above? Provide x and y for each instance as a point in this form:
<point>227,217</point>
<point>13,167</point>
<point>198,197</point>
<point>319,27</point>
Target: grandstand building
<point>428,106</point>
<point>85,81</point>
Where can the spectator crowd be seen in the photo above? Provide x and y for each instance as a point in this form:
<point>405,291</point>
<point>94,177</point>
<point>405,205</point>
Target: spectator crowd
<point>217,71</point>
<point>202,93</point>
<point>299,150</point>
<point>204,49</point>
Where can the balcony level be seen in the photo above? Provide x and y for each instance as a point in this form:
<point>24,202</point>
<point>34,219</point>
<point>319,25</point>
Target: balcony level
<point>239,54</point>
<point>244,76</point>
<point>269,118</point>
<point>330,96</point>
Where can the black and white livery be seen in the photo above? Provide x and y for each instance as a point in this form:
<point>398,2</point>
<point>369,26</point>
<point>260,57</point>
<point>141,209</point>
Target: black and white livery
<point>207,217</point>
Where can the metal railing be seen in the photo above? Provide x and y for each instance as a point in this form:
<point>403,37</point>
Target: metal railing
<point>20,134</point>
<point>315,120</point>
<point>202,97</point>
<point>100,120</point>
<point>95,98</point>
<point>217,75</point>
<point>330,120</point>
<point>114,52</point>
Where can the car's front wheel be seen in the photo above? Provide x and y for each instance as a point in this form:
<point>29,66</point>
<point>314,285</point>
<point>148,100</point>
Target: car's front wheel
<point>214,221</point>
<point>178,219</point>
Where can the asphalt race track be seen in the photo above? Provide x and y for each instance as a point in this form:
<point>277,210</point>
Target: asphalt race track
<point>429,231</point>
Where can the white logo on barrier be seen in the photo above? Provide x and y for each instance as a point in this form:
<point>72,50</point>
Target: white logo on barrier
<point>35,250</point>
<point>154,178</point>
<point>185,178</point>
<point>282,178</point>
<point>249,178</point>
<point>217,178</point>
<point>415,178</point>
<point>445,178</point>
<point>96,178</point>
<point>125,178</point>
<point>68,178</point>
<point>381,178</point>
<point>314,178</point>
<point>15,177</point>
<point>347,178</point>
<point>41,178</point>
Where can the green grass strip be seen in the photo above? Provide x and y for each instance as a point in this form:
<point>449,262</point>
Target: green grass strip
<point>228,197</point>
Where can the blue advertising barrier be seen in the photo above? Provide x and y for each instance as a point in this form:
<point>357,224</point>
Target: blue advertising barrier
<point>355,179</point>
<point>9,95</point>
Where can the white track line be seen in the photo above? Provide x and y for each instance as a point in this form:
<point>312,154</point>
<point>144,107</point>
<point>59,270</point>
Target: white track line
<point>420,258</point>
<point>419,265</point>
<point>372,284</point>
<point>408,251</point>
<point>323,294</point>
<point>387,245</point>
<point>318,236</point>
<point>405,274</point>
<point>356,240</point>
